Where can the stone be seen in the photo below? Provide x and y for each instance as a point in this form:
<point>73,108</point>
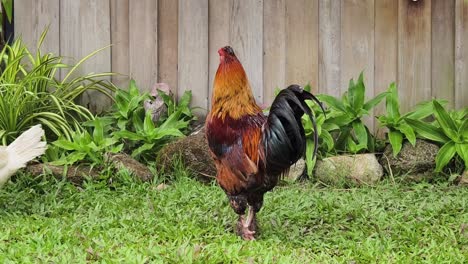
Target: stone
<point>345,170</point>
<point>296,170</point>
<point>194,152</point>
<point>464,178</point>
<point>156,106</point>
<point>419,159</point>
<point>125,161</point>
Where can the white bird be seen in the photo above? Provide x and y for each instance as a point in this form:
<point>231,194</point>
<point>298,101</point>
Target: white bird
<point>25,148</point>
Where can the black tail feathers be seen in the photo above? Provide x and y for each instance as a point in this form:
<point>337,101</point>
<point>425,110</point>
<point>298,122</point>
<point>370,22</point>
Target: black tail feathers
<point>284,137</point>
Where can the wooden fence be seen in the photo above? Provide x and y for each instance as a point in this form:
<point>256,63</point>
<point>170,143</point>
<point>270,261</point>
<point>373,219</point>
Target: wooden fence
<point>422,45</point>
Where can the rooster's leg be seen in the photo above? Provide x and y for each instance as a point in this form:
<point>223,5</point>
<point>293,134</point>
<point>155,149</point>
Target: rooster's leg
<point>247,233</point>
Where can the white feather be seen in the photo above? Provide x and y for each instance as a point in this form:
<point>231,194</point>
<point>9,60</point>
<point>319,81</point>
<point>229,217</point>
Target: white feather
<point>25,148</point>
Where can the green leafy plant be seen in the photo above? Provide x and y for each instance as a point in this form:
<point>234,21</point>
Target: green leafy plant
<point>129,128</point>
<point>141,136</point>
<point>449,130</point>
<point>398,129</point>
<point>346,114</point>
<point>128,107</point>
<point>7,9</point>
<point>86,146</point>
<point>30,93</point>
<point>326,142</point>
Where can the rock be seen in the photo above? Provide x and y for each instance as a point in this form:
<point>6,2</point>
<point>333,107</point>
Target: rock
<point>194,152</point>
<point>75,174</point>
<point>157,107</point>
<point>361,169</point>
<point>296,170</point>
<point>464,178</point>
<point>411,160</point>
<point>122,160</point>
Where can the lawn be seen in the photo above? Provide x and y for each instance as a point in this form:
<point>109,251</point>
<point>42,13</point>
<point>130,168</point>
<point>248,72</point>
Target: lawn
<point>120,220</point>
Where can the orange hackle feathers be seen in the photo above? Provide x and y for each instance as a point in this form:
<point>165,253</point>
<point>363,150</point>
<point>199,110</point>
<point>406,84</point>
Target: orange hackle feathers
<point>232,94</point>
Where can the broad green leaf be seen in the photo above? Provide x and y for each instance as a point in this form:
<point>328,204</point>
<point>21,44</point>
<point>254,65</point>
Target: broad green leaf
<point>148,125</point>
<point>133,89</point>
<point>8,6</point>
<point>427,131</point>
<point>125,134</point>
<point>332,102</point>
<point>327,140</point>
<point>445,121</point>
<point>137,152</point>
<point>392,102</point>
<point>117,149</point>
<point>168,132</point>
<point>421,110</point>
<point>462,150</point>
<point>341,120</point>
<point>463,129</point>
<point>185,99</point>
<point>396,140</point>
<point>69,159</point>
<point>408,131</point>
<point>98,132</point>
<point>360,132</point>
<point>65,144</point>
<point>445,154</point>
<point>370,141</point>
<point>329,126</point>
<point>374,101</point>
<point>307,88</point>
<point>357,101</point>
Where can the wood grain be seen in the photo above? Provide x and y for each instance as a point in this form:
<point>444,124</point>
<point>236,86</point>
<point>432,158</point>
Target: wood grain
<point>443,50</point>
<point>385,51</point>
<point>246,38</point>
<point>32,18</point>
<point>357,47</point>
<point>274,48</point>
<point>330,47</point>
<point>167,42</point>
<point>219,13</point>
<point>461,54</point>
<point>143,43</point>
<point>414,52</point>
<point>120,51</point>
<point>193,51</point>
<point>84,28</point>
<point>302,43</point>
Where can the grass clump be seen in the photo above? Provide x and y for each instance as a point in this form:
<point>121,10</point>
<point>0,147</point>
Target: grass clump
<point>187,222</point>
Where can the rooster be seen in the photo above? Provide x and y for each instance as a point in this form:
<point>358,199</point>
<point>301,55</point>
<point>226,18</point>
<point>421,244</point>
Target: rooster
<point>251,151</point>
<point>25,148</point>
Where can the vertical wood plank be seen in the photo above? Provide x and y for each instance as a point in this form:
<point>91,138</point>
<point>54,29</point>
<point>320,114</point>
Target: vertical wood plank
<point>85,27</point>
<point>246,35</point>
<point>386,45</point>
<point>357,46</point>
<point>386,49</point>
<point>143,43</point>
<point>219,13</point>
<point>329,47</point>
<point>120,56</point>
<point>414,51</point>
<point>302,42</point>
<point>167,43</point>
<point>193,51</point>
<point>32,18</point>
<point>443,50</point>
<point>274,48</point>
<point>461,54</point>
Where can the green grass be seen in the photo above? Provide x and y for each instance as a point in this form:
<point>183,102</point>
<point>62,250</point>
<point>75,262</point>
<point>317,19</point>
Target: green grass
<point>188,222</point>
